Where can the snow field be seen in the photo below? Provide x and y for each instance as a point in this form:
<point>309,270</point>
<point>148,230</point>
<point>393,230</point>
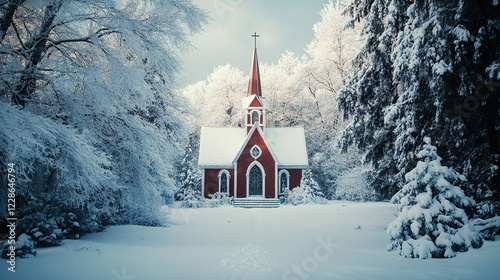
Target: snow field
<point>341,240</point>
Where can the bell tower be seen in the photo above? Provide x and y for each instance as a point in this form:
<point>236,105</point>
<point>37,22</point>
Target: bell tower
<point>254,104</point>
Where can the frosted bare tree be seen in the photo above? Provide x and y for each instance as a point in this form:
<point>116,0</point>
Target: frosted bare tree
<point>89,86</point>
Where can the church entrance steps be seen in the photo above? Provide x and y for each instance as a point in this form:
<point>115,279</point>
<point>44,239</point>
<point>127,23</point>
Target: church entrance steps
<point>256,202</point>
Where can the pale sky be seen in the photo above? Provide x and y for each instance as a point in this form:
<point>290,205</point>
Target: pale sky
<point>282,25</point>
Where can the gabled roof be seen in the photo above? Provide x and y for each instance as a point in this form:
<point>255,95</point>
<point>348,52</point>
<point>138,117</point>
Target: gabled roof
<point>288,144</point>
<point>220,146</point>
<point>253,101</point>
<point>255,129</point>
<point>254,82</point>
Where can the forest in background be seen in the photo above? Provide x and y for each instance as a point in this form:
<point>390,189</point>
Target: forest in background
<point>400,102</point>
<point>365,113</point>
<point>300,91</point>
<point>100,134</point>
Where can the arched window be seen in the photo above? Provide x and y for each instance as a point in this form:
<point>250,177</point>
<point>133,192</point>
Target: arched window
<point>255,117</point>
<point>284,181</point>
<point>224,181</point>
<point>255,181</point>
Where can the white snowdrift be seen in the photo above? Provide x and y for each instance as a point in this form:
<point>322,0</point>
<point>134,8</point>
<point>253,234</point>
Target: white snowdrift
<point>341,240</point>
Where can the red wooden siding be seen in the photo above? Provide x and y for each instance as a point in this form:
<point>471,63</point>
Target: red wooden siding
<point>212,182</point>
<point>255,102</point>
<point>265,159</point>
<point>295,177</point>
<point>249,117</point>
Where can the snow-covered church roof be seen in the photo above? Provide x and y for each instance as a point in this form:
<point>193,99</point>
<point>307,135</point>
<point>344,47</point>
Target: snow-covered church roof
<point>219,146</point>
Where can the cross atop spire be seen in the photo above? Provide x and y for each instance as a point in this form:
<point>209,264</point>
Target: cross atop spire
<point>254,35</point>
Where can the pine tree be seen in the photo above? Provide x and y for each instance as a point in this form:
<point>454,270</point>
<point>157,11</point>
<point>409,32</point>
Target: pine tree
<point>309,192</point>
<point>189,177</point>
<point>191,198</point>
<point>427,68</point>
<point>369,90</point>
<point>432,221</point>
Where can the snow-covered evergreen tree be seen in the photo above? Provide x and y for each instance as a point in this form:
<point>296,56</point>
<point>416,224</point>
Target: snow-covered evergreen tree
<point>309,192</point>
<point>189,176</point>
<point>369,90</point>
<point>427,68</point>
<point>191,198</point>
<point>433,220</point>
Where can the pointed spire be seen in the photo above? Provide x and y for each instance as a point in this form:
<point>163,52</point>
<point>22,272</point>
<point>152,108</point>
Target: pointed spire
<point>254,82</point>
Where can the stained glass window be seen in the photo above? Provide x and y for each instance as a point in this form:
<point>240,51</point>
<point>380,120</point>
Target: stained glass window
<point>255,181</point>
<point>283,182</point>
<point>255,152</point>
<point>223,183</point>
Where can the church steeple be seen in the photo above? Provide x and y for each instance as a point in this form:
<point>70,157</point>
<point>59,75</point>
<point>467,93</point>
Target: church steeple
<point>254,82</point>
<point>254,104</point>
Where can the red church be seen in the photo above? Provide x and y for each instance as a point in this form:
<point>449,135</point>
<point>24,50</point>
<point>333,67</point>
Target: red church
<point>255,164</point>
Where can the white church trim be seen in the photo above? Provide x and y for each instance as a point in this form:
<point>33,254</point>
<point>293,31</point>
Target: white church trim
<point>285,172</point>
<point>228,178</point>
<point>263,179</point>
<point>252,156</point>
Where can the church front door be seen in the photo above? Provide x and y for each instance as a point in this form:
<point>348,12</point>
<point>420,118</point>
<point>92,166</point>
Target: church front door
<point>255,183</point>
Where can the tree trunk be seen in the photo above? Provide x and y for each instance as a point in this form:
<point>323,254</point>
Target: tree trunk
<point>36,48</point>
<point>8,15</point>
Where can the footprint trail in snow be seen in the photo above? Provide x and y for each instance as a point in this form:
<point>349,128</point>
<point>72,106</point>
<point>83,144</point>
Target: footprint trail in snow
<point>247,262</point>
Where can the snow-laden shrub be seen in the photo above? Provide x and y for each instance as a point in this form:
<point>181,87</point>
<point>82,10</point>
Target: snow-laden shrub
<point>354,185</point>
<point>489,228</point>
<point>191,198</point>
<point>50,229</point>
<point>218,199</point>
<point>24,248</point>
<point>487,222</point>
<point>432,221</point>
<point>58,173</point>
<point>309,192</point>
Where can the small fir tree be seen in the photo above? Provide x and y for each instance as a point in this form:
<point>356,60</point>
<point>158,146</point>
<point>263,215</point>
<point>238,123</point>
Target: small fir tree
<point>191,198</point>
<point>309,191</point>
<point>189,177</point>
<point>432,221</point>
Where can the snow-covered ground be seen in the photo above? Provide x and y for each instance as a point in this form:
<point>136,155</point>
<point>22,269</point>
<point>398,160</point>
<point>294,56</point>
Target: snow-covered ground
<point>342,240</point>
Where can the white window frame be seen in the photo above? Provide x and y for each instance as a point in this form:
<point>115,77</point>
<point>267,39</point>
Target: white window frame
<point>228,176</point>
<point>251,117</point>
<point>263,178</point>
<point>287,180</point>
